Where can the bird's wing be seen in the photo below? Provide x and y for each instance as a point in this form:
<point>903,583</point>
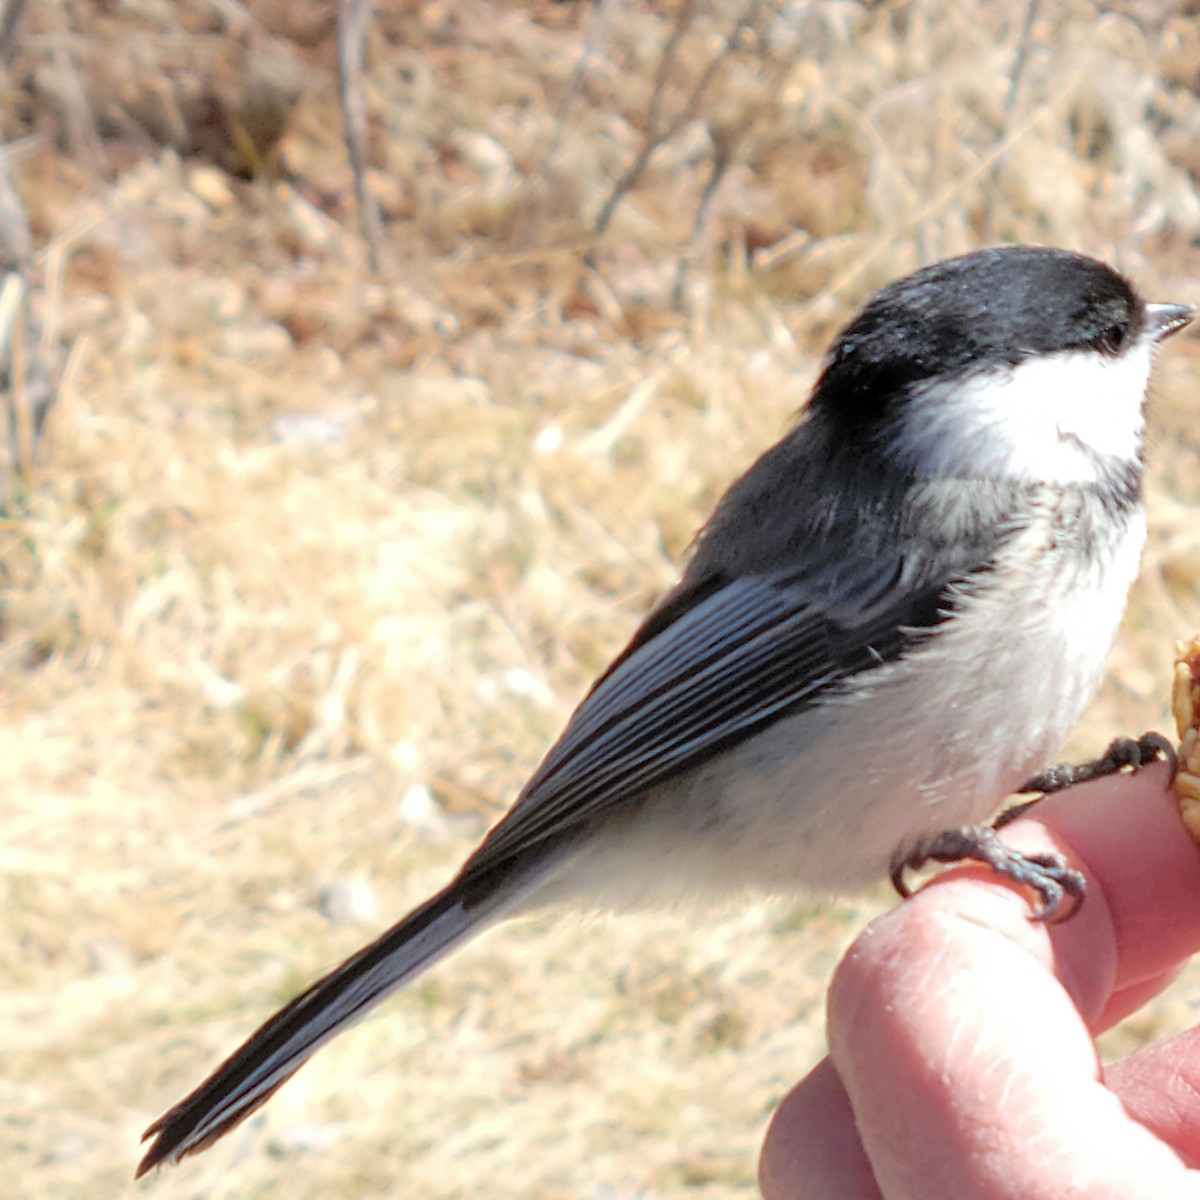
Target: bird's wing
<point>744,654</point>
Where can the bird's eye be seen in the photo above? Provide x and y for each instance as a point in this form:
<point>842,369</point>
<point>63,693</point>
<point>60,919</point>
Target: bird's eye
<point>1112,338</point>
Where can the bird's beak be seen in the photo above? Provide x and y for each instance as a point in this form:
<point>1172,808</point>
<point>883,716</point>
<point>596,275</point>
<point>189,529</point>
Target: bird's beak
<point>1162,320</point>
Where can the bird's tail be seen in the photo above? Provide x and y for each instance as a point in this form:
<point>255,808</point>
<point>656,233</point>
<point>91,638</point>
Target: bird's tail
<point>271,1055</point>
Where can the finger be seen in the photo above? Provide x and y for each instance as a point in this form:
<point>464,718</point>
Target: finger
<point>1142,866</point>
<point>1141,916</point>
<point>1160,1087</point>
<point>966,1062</point>
<point>812,1149</point>
<point>1118,951</point>
<point>1128,1000</point>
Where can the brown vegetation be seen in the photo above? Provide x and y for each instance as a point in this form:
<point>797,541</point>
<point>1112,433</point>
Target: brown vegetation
<point>314,560</point>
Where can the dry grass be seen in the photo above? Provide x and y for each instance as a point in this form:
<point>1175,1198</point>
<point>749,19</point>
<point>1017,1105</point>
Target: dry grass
<point>315,564</point>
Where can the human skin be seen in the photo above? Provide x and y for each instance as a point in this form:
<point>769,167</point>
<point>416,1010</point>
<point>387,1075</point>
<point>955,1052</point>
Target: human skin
<point>962,1057</point>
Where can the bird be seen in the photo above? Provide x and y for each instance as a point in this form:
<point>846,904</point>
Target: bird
<point>891,620</point>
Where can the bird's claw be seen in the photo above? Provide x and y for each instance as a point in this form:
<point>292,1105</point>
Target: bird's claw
<point>1047,874</point>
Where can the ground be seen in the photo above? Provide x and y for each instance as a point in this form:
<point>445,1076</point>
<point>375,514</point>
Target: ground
<point>316,557</point>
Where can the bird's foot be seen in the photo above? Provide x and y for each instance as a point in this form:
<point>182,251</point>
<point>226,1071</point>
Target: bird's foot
<point>1122,752</point>
<point>1047,874</point>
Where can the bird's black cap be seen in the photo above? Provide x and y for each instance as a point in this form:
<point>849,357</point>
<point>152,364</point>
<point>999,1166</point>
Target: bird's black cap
<point>985,310</point>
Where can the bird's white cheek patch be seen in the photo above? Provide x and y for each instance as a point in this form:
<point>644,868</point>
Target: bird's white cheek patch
<point>1047,420</point>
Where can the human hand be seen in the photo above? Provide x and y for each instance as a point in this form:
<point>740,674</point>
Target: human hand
<point>962,1062</point>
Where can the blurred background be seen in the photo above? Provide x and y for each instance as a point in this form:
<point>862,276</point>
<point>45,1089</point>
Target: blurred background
<point>340,455</point>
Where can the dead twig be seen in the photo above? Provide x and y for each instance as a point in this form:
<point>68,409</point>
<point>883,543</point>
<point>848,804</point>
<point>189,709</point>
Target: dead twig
<point>722,157</point>
<point>24,371</point>
<point>728,135</point>
<point>535,186</point>
<point>1020,62</point>
<point>353,20</point>
<point>659,131</point>
<point>10,21</point>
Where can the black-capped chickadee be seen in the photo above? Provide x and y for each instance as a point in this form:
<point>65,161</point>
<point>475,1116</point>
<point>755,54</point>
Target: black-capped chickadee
<point>891,620</point>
